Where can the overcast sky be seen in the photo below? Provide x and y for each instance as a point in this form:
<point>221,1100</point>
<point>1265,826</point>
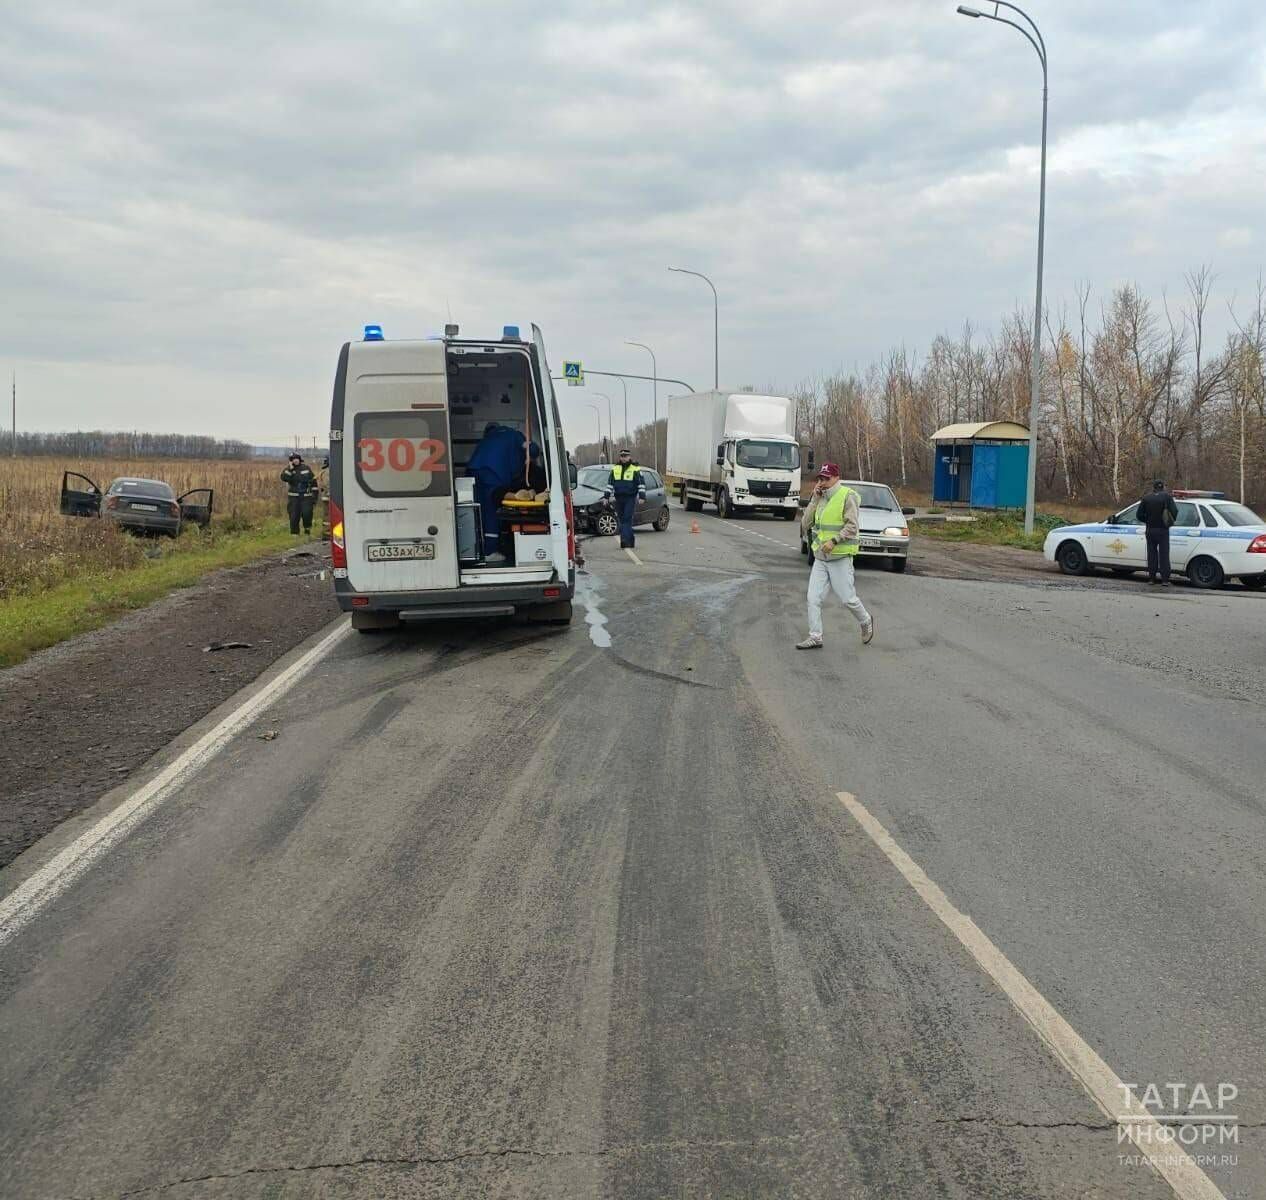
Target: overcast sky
<point>201,201</point>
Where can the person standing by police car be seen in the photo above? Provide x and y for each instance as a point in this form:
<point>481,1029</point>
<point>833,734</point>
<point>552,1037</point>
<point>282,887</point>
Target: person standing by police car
<point>301,494</point>
<point>625,484</point>
<point>1158,512</point>
<point>831,524</point>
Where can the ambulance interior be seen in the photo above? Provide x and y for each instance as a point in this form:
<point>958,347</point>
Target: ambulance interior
<point>495,415</point>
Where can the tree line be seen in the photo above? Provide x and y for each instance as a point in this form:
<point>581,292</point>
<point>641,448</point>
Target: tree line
<point>99,443</point>
<point>1132,389</point>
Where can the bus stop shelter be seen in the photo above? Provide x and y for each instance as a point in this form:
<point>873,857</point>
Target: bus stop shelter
<point>981,464</point>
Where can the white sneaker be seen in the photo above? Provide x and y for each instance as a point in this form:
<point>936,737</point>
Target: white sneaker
<point>810,643</point>
<point>868,631</point>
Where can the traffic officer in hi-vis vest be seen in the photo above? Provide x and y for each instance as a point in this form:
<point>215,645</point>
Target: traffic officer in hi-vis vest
<point>830,524</point>
<point>625,483</point>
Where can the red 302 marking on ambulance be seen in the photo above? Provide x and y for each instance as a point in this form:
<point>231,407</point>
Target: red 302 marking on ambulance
<point>401,454</point>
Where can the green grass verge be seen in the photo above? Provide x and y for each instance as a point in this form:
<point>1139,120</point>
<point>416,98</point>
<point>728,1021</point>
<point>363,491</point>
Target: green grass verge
<point>30,623</point>
<point>993,529</point>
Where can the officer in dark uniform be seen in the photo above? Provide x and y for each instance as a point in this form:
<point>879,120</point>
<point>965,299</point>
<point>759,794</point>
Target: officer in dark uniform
<point>625,483</point>
<point>301,494</point>
<point>1158,512</point>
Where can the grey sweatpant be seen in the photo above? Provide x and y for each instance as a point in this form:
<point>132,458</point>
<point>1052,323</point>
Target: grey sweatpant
<point>834,575</point>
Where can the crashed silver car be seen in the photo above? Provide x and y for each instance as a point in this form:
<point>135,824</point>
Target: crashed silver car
<point>142,505</point>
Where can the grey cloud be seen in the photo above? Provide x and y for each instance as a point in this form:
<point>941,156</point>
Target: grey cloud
<point>237,187</point>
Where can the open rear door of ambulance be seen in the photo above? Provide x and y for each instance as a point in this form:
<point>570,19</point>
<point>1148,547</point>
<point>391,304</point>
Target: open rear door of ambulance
<point>397,469</point>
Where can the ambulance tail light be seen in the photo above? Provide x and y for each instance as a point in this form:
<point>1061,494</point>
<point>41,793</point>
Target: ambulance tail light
<point>571,528</point>
<point>1258,544</point>
<point>338,539</point>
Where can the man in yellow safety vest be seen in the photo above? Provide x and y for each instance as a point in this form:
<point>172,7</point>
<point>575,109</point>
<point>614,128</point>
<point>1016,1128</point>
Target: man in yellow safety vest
<point>830,524</point>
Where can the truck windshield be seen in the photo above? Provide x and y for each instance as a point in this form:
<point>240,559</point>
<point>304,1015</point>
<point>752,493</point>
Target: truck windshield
<point>782,456</point>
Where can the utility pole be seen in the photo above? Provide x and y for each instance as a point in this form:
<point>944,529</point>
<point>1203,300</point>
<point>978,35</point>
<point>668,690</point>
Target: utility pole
<point>13,450</point>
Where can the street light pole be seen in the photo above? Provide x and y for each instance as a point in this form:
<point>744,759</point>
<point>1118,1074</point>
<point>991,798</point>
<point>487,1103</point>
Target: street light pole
<point>654,401</point>
<point>625,386</point>
<point>610,423</point>
<point>597,412</point>
<point>1038,43</point>
<point>716,324</point>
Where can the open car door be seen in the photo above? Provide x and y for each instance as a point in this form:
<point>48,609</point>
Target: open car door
<point>196,506</point>
<point>80,496</point>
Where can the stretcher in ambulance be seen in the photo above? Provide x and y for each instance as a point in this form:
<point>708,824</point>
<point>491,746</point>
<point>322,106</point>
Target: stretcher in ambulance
<point>415,535</point>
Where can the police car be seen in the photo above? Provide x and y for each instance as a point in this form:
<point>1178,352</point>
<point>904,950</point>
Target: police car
<point>1213,539</point>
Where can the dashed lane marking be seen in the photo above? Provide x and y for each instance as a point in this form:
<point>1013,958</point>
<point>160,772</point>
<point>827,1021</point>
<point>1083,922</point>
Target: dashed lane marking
<point>757,533</point>
<point>1103,1085</point>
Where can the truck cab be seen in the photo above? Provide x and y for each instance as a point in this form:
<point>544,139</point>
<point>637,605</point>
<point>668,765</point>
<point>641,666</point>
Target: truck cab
<point>759,474</point>
<point>439,507</point>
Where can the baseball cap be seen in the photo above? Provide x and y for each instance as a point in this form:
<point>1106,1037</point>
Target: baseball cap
<point>828,471</point>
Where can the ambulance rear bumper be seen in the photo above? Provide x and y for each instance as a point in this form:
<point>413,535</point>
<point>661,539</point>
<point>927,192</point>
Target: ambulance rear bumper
<point>484,600</point>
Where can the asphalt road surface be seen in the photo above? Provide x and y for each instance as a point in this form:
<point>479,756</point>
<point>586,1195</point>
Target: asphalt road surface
<point>515,911</point>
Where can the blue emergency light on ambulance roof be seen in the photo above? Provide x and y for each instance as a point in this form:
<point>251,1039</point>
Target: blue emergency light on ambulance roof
<point>373,333</point>
<point>510,333</point>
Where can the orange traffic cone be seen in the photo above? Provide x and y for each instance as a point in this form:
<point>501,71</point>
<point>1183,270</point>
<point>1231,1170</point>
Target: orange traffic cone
<point>694,526</point>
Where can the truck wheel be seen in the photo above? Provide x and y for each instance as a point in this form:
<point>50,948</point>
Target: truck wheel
<point>374,622</point>
<point>693,504</point>
<point>789,514</point>
<point>724,509</point>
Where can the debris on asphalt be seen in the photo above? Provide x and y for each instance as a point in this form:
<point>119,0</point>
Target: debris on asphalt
<point>269,735</point>
<point>226,646</point>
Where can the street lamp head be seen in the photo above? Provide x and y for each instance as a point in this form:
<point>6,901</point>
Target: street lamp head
<point>970,12</point>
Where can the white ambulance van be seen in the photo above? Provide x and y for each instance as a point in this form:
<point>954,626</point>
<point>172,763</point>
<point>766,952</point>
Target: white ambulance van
<point>406,525</point>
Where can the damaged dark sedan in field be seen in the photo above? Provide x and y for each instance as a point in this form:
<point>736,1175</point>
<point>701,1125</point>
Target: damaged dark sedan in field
<point>141,505</point>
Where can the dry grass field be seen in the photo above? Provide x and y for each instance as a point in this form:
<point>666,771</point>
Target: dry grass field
<point>40,549</point>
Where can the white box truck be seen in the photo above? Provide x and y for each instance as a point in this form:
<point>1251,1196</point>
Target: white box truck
<point>736,450</point>
<point>411,538</point>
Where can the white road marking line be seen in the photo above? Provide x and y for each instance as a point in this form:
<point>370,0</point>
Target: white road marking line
<point>25,902</point>
<point>757,533</point>
<point>634,557</point>
<point>1102,1084</point>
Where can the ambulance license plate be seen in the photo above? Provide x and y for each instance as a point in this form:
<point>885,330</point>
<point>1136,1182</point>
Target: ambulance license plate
<point>399,551</point>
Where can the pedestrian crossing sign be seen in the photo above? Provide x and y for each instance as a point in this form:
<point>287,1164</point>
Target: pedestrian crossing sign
<point>574,373</point>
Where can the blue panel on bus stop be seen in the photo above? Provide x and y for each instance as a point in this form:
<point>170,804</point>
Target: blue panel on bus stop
<point>984,477</point>
<point>1013,475</point>
<point>944,485</point>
